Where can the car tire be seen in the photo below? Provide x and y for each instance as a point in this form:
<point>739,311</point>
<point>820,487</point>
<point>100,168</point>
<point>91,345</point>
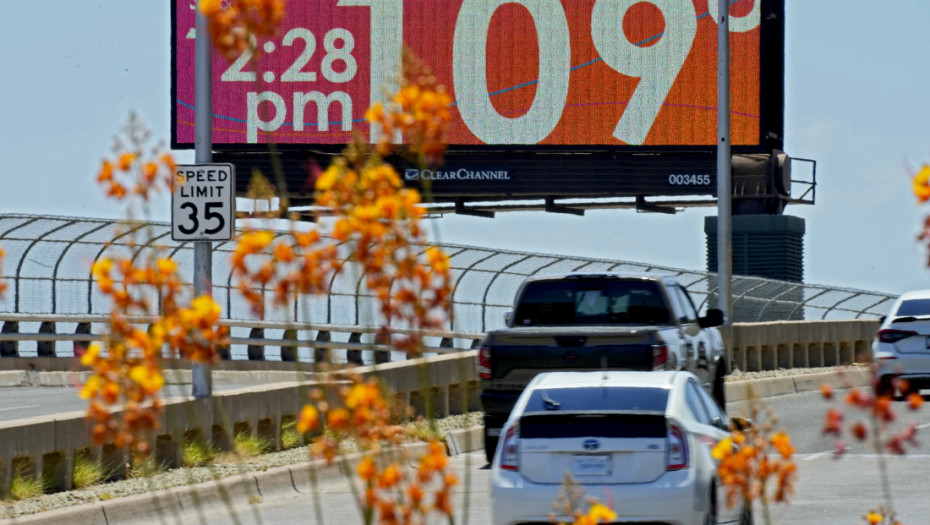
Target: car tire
<point>490,445</point>
<point>711,517</point>
<point>885,387</point>
<point>719,388</point>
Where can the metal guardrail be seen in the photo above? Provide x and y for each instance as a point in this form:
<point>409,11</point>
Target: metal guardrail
<point>48,261</point>
<point>352,344</point>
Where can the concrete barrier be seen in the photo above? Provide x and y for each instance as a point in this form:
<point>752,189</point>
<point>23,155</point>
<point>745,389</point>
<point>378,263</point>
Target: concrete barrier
<point>753,347</point>
<point>45,447</point>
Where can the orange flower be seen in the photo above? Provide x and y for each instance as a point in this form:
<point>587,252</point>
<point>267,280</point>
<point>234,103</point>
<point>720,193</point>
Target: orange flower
<point>309,419</point>
<point>125,161</point>
<point>338,419</point>
<point>366,469</point>
<point>915,400</point>
<point>106,172</point>
<point>389,477</point>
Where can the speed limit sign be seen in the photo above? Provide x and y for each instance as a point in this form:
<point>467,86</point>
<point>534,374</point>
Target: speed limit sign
<point>203,203</point>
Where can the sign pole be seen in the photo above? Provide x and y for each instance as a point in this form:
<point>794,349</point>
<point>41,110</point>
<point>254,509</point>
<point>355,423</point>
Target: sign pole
<point>201,374</point>
<point>724,193</point>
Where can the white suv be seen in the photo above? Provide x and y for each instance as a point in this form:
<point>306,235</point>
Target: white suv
<point>901,348</point>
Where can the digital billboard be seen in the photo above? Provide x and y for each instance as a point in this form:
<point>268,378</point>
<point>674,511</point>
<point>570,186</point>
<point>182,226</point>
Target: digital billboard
<point>527,75</point>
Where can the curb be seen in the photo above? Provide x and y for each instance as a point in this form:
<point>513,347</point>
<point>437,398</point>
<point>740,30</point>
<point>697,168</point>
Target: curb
<point>179,501</point>
<point>778,386</point>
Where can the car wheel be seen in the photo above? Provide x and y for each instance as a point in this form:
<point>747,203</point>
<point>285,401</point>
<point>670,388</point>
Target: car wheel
<point>720,391</point>
<point>490,445</point>
<point>885,387</point>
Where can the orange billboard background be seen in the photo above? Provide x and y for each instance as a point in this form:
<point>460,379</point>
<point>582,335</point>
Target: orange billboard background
<point>596,99</point>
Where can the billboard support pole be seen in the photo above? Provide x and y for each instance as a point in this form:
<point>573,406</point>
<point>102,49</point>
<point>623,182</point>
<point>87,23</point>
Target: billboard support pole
<point>724,193</point>
<point>201,374</point>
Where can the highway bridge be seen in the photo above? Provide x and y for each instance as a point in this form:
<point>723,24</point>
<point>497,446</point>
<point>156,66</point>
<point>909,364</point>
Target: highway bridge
<point>51,309</point>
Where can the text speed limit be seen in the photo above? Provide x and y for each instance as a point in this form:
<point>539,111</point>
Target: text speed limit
<point>203,202</point>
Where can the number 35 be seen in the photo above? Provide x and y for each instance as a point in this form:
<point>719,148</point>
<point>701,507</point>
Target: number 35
<point>210,213</point>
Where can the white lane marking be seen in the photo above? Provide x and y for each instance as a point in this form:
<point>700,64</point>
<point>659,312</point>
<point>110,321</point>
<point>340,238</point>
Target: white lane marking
<point>925,425</point>
<point>18,408</point>
<point>819,455</point>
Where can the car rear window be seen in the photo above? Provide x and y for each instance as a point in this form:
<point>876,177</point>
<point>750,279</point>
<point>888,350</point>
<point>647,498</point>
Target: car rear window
<point>598,399</point>
<point>591,301</point>
<point>914,307</point>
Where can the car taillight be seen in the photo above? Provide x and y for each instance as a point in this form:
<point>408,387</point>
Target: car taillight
<point>484,362</point>
<point>893,336</point>
<point>510,450</point>
<point>677,451</point>
<point>659,357</point>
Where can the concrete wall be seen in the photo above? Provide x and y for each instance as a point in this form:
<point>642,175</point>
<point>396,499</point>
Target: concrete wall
<point>799,344</point>
<point>46,446</point>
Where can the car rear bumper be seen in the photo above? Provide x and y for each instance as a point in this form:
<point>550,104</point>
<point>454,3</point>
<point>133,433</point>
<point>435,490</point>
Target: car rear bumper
<point>674,498</point>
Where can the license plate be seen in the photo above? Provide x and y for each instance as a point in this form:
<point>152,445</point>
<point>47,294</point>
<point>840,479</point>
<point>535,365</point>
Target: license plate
<point>590,465</point>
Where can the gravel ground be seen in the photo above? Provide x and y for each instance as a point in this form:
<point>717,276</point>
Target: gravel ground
<point>188,476</point>
<point>739,375</point>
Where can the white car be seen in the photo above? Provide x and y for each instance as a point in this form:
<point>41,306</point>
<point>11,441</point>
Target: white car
<point>640,442</point>
<point>901,348</point>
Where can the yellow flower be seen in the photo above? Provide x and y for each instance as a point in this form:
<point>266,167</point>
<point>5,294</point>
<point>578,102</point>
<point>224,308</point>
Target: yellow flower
<point>150,379</point>
<point>722,449</point>
<point>922,183</point>
<point>102,268</point>
<point>167,266</point>
<point>91,387</point>
<point>600,512</point>
<point>254,242</point>
<point>91,355</point>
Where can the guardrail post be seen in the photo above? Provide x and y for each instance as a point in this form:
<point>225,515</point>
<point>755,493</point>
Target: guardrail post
<point>79,346</point>
<point>256,352</point>
<point>289,352</point>
<point>46,348</point>
<point>354,356</point>
<point>9,348</point>
<point>382,356</point>
<point>320,354</point>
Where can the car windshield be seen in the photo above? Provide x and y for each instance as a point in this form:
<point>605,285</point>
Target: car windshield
<point>599,399</point>
<point>913,308</point>
<point>591,301</point>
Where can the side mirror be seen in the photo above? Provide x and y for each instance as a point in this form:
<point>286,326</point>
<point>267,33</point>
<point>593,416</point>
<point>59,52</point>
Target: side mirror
<point>714,317</point>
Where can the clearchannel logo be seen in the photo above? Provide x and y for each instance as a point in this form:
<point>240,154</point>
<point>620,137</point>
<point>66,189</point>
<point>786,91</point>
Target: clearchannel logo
<point>459,174</point>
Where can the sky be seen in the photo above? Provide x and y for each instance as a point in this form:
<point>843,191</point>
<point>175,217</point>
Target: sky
<point>857,77</point>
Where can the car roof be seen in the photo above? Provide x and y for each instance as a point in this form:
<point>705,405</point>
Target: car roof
<point>661,379</point>
<point>915,294</point>
<point>602,275</point>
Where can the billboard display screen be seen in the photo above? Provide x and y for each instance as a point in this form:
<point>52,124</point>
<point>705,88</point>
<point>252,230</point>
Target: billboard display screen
<point>564,75</point>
